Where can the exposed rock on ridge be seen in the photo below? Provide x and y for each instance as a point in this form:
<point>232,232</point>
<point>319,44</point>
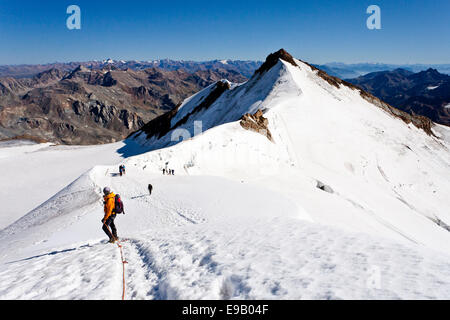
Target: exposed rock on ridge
<point>256,122</point>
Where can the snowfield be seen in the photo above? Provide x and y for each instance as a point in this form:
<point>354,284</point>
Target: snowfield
<point>32,173</point>
<point>347,202</point>
<point>196,245</point>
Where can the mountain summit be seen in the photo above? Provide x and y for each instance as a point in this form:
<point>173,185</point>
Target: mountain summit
<point>279,76</point>
<point>273,58</point>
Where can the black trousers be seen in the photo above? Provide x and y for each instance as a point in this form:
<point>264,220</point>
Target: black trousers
<point>110,223</point>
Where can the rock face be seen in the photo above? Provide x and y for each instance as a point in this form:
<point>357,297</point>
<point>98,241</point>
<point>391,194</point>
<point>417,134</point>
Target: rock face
<point>256,122</point>
<point>87,106</point>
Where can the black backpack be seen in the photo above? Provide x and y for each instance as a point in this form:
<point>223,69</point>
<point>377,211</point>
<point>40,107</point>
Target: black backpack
<point>118,204</point>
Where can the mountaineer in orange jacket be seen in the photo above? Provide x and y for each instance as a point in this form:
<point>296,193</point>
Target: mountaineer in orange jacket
<point>110,215</point>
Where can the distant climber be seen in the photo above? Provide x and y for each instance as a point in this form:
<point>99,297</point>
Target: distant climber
<point>164,171</point>
<point>150,187</point>
<point>121,169</point>
<point>110,214</point>
<point>173,172</point>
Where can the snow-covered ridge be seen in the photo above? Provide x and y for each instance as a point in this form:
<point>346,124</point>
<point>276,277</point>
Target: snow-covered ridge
<point>227,102</point>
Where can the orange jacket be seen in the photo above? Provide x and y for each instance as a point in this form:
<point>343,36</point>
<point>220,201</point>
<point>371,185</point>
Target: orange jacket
<point>109,205</point>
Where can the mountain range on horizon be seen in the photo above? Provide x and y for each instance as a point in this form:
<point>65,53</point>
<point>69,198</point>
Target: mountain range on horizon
<point>245,67</point>
<point>354,70</point>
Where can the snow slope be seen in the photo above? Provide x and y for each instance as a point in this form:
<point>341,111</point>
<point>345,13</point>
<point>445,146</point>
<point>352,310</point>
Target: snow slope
<point>188,241</point>
<point>32,173</point>
<point>243,217</point>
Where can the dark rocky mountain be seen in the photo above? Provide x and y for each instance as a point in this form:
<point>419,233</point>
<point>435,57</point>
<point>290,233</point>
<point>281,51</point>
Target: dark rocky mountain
<point>424,93</point>
<point>90,106</point>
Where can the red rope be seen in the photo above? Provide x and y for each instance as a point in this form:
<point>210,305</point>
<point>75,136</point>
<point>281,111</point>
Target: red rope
<point>123,264</point>
<point>123,270</point>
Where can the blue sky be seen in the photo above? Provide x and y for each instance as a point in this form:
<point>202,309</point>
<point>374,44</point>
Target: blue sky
<point>316,31</point>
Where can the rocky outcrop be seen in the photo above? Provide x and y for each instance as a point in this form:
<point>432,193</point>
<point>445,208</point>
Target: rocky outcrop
<point>256,122</point>
<point>108,80</point>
